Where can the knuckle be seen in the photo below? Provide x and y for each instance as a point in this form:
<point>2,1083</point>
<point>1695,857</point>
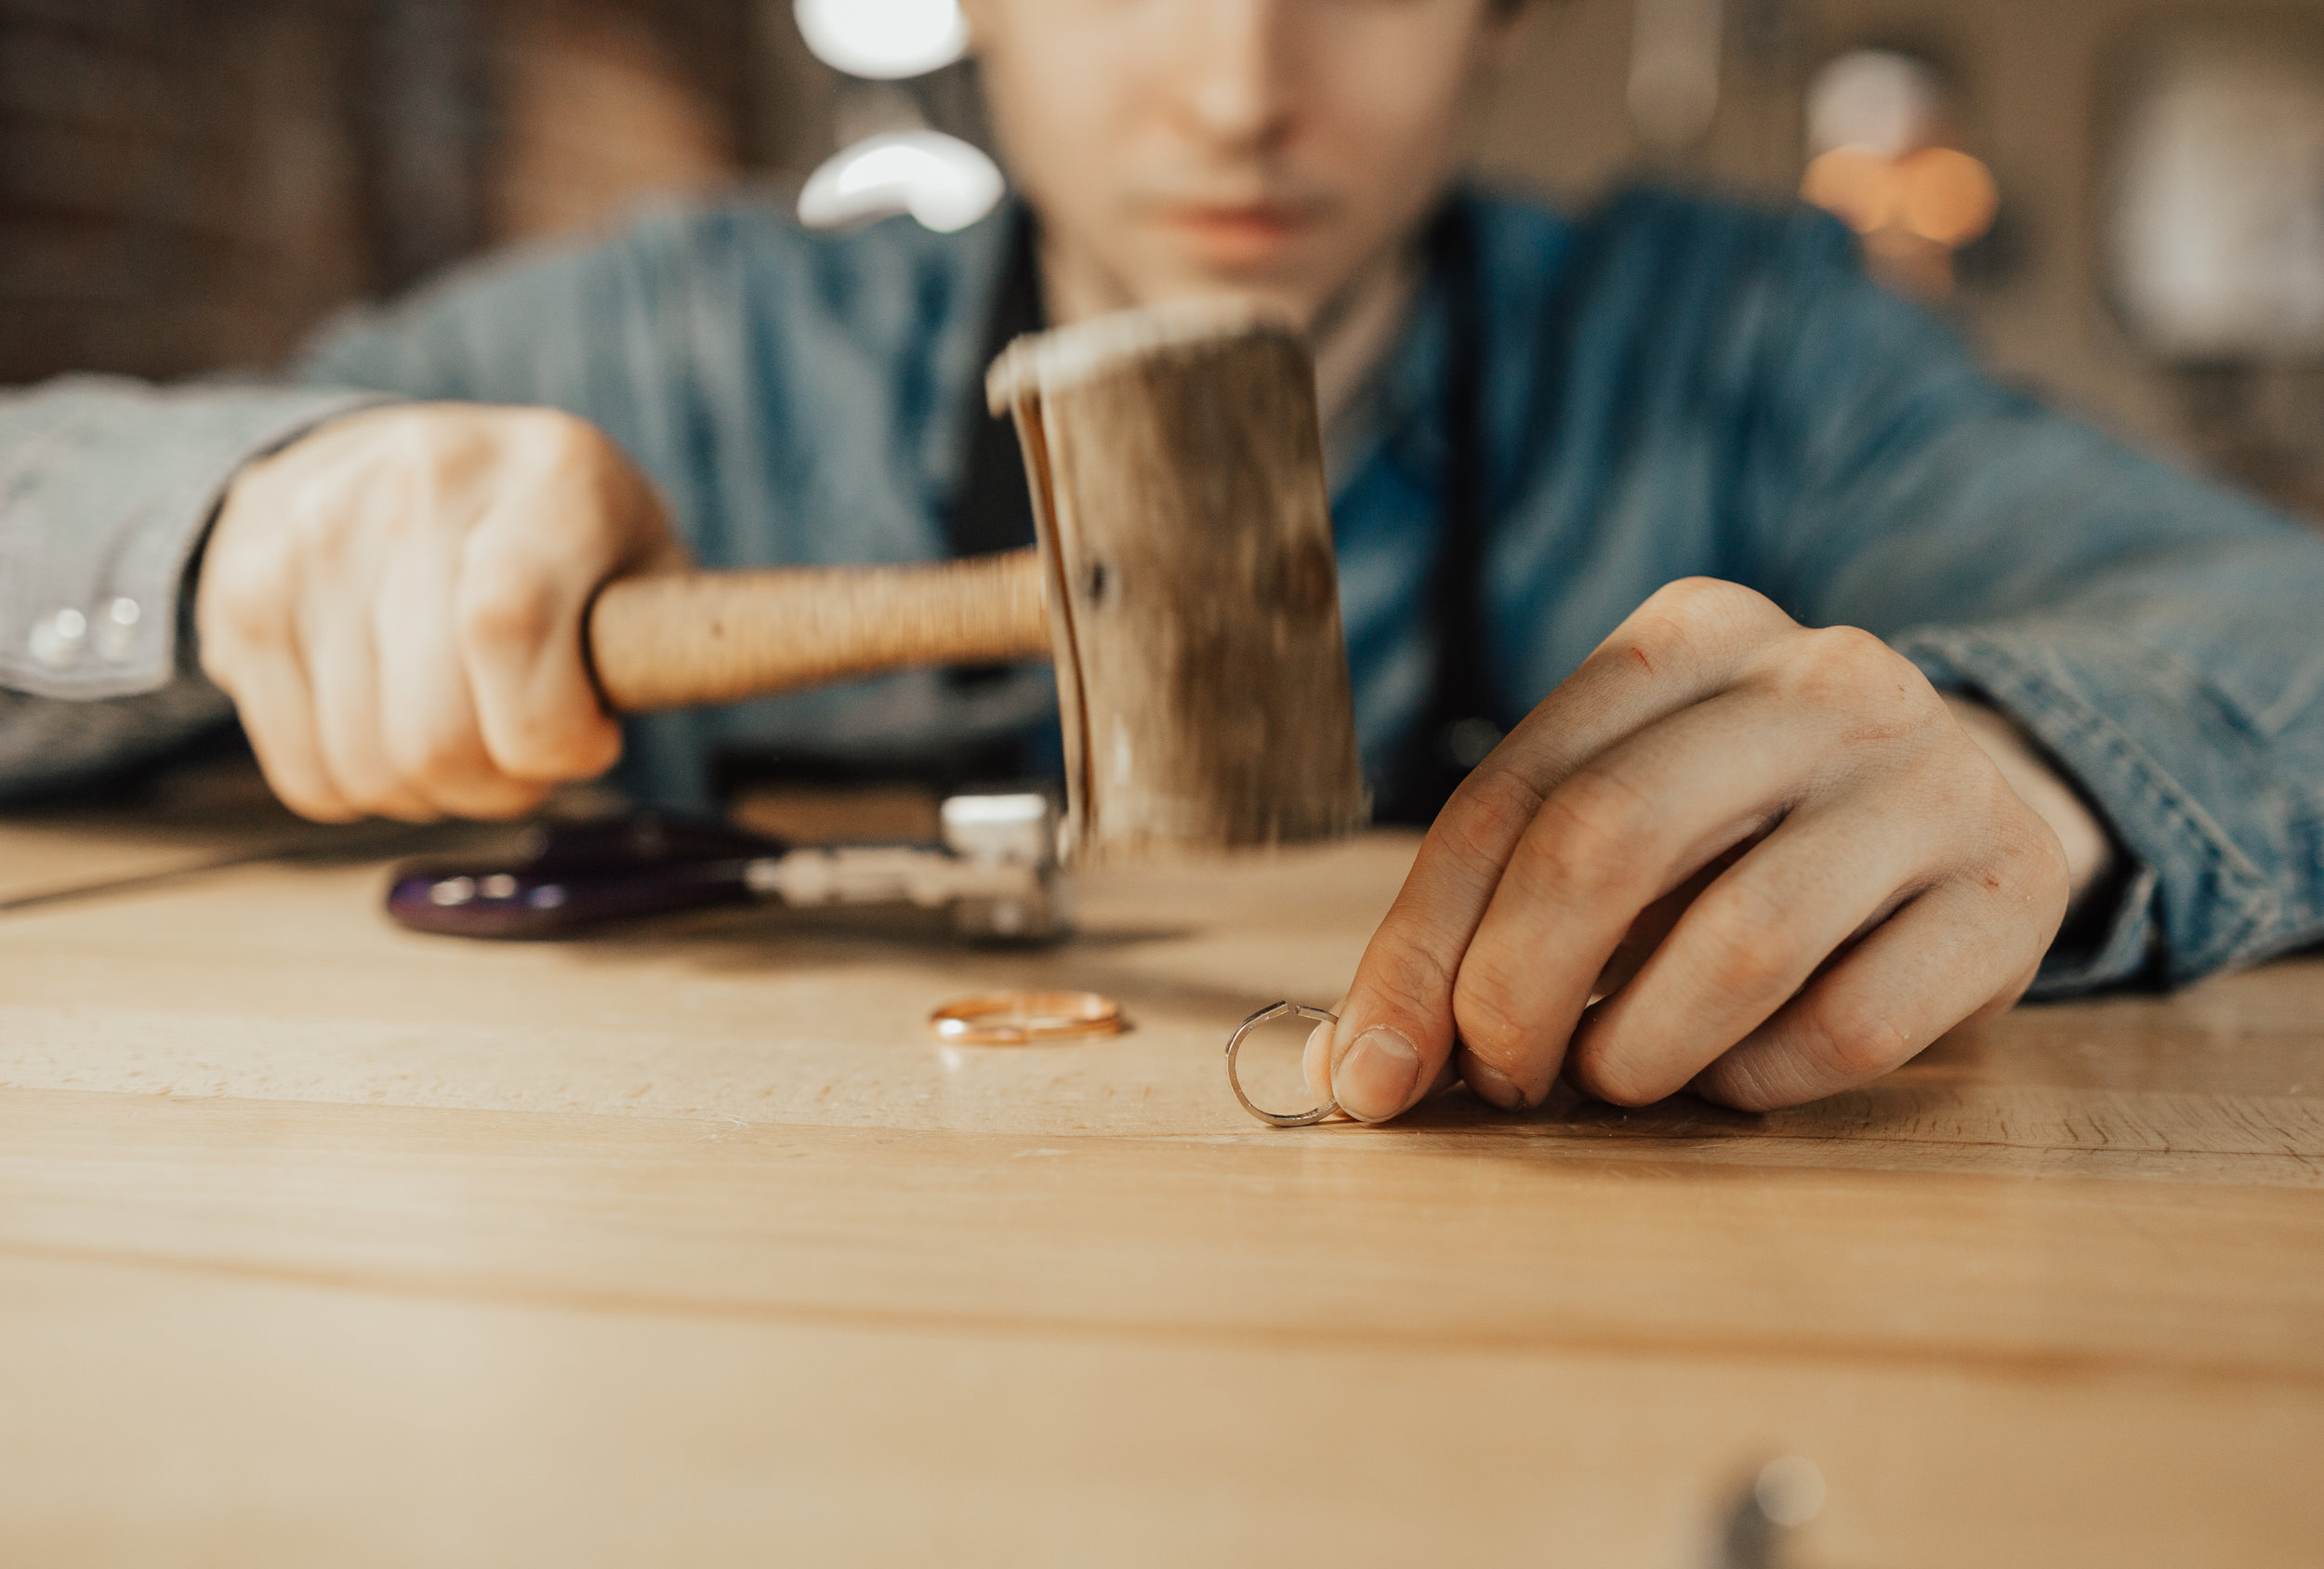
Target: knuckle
<point>2030,867</point>
<point>1871,691</point>
<point>552,442</point>
<point>320,522</point>
<point>1489,1012</point>
<point>1404,976</point>
<point>250,596</point>
<point>361,786</point>
<point>1589,834</point>
<point>1850,651</point>
<point>422,436</point>
<point>555,743</point>
<point>1750,957</point>
<point>307,798</point>
<point>1687,618</point>
<point>1854,1036</point>
<point>435,750</point>
<point>419,457</point>
<point>555,431</point>
<point>440,758</point>
<point>1609,1075</point>
<point>2051,876</point>
<point>317,809</point>
<point>1833,666</point>
<point>1748,1080</point>
<point>1491,814</point>
<point>1692,600</point>
<point>505,603</point>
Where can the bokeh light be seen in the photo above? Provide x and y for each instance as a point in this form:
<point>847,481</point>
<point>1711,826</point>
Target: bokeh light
<point>1937,193</point>
<point>883,39</point>
<point>1882,160</point>
<point>1881,101</point>
<point>941,180</point>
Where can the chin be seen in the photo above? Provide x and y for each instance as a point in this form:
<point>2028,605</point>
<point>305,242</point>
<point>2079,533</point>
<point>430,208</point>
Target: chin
<point>1271,257</point>
<point>1285,289</point>
<point>1301,305</point>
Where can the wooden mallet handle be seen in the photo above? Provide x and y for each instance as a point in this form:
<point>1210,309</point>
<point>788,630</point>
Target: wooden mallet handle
<point>681,638</point>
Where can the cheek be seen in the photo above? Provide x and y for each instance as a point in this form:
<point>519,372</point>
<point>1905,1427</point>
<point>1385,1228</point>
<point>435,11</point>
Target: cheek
<point>1408,116</point>
<point>1060,104</point>
<point>1390,132</point>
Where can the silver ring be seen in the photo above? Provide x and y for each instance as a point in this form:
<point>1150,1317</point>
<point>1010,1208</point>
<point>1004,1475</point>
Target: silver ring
<point>1235,1044</point>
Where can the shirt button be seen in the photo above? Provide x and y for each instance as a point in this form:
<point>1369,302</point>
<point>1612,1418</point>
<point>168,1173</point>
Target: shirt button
<point>55,639</point>
<point>117,628</point>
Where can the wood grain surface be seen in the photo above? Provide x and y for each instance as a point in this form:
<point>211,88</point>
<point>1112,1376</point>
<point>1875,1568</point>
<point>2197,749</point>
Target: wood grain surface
<point>325,1243</point>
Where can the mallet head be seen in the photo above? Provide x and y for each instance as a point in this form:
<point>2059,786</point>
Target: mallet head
<point>1185,535</point>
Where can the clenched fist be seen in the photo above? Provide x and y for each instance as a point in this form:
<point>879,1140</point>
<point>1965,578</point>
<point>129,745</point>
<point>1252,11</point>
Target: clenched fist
<point>394,603</point>
<point>1730,852</point>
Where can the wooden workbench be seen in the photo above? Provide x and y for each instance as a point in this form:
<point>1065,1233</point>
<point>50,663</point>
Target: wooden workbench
<point>324,1244</point>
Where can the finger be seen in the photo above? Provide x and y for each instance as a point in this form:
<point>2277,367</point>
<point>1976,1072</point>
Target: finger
<point>343,669</point>
<point>1938,961</point>
<point>1628,828</point>
<point>518,608</point>
<point>1315,1061</point>
<point>242,623</point>
<point>427,719</point>
<point>248,653</point>
<point>1657,921</point>
<point>1682,644</point>
<point>277,711</point>
<point>1746,945</point>
<point>338,558</point>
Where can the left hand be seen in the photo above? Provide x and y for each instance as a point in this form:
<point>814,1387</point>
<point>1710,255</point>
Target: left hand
<point>1774,851</point>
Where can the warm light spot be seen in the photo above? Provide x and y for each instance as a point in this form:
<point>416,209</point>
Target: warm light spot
<point>1947,196</point>
<point>1937,193</point>
<point>1856,185</point>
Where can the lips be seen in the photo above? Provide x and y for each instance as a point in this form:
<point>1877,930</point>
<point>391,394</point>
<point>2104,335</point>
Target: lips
<point>1236,238</point>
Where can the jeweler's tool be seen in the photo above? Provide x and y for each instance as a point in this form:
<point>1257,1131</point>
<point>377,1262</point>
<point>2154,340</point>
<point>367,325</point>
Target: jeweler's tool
<point>995,870</point>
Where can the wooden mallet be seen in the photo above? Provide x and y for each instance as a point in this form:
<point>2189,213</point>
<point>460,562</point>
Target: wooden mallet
<point>1184,581</point>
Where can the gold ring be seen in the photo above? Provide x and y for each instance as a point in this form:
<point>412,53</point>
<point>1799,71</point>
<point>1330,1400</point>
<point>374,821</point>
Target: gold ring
<point>1025,1018</point>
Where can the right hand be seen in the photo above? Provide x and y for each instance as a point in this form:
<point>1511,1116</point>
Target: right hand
<point>394,603</point>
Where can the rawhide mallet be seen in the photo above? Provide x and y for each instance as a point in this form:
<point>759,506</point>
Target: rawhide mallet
<point>1184,581</point>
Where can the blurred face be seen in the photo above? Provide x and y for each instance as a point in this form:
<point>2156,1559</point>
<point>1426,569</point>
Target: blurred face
<point>1275,147</point>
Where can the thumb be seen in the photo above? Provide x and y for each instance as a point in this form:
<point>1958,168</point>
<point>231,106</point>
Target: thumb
<point>1395,1033</point>
<point>1395,1036</point>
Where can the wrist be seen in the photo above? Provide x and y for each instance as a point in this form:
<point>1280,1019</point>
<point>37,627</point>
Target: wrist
<point>2090,856</point>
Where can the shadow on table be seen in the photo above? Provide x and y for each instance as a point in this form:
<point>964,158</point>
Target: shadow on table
<point>1896,1107</point>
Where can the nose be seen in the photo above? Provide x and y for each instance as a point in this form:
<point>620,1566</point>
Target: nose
<point>1235,89</point>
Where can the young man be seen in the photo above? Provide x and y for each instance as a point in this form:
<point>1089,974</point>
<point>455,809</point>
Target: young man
<point>1596,483</point>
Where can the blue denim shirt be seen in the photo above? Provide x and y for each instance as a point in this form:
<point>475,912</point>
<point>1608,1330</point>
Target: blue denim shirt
<point>1670,387</point>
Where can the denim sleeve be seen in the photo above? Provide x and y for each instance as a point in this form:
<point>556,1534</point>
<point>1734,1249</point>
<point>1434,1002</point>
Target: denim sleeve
<point>108,485</point>
<point>106,488</point>
<point>2161,635</point>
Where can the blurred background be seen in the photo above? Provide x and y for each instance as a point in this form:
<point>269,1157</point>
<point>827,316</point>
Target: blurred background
<point>2122,201</point>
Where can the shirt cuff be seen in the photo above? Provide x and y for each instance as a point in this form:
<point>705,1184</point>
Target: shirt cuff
<point>107,487</point>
